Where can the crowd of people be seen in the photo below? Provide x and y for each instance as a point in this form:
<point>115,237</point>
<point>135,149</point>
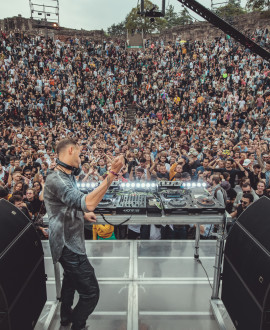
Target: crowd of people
<point>201,113</point>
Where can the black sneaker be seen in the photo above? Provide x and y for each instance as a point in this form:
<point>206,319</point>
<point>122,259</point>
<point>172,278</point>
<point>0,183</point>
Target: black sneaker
<point>84,328</point>
<point>65,322</point>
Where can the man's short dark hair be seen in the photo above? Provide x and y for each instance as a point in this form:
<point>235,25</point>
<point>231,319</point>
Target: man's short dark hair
<point>162,165</point>
<point>249,196</point>
<point>3,192</point>
<point>15,198</point>
<point>17,193</point>
<point>36,164</point>
<point>64,143</point>
<point>184,175</point>
<point>256,166</point>
<point>216,179</point>
<point>226,175</point>
<point>18,169</point>
<point>141,170</point>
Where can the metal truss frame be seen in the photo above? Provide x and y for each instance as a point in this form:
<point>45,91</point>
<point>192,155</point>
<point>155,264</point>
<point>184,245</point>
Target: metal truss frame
<point>133,280</point>
<point>49,11</point>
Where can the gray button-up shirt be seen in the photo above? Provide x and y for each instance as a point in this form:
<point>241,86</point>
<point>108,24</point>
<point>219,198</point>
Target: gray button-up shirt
<point>65,205</point>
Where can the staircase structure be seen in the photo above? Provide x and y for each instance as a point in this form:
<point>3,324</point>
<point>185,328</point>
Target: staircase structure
<point>135,41</point>
<point>131,113</point>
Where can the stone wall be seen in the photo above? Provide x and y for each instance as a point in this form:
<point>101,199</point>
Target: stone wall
<point>21,24</point>
<point>195,31</point>
<point>204,30</point>
<point>65,33</point>
<point>15,23</point>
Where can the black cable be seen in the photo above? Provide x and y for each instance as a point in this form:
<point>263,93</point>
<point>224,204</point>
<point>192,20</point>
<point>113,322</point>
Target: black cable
<point>199,261</point>
<point>112,223</point>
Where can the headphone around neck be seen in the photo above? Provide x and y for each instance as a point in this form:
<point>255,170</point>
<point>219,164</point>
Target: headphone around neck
<point>74,170</point>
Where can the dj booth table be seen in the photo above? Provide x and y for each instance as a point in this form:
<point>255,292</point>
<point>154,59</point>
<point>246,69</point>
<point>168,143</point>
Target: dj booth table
<point>151,284</point>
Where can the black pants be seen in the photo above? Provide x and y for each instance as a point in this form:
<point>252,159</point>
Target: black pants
<point>180,232</point>
<point>133,235</point>
<point>145,231</point>
<point>167,232</point>
<point>79,275</point>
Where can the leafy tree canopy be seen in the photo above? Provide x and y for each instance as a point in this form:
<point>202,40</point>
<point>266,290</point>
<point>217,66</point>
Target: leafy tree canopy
<point>117,30</point>
<point>258,5</point>
<point>233,8</point>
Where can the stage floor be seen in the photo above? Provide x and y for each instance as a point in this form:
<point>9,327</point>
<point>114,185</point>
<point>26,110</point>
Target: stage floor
<point>145,285</point>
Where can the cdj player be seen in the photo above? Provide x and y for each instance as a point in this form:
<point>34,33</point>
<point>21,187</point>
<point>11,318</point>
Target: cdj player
<point>107,205</point>
<point>175,202</point>
<point>206,204</point>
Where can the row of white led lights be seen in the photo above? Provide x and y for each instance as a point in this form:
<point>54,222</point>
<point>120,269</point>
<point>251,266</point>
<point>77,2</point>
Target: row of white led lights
<point>141,184</point>
<point>154,184</point>
<point>138,185</point>
<point>123,184</point>
<point>87,184</point>
<point>193,184</point>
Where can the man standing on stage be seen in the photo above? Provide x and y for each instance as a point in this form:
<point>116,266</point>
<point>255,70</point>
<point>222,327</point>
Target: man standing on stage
<point>67,208</point>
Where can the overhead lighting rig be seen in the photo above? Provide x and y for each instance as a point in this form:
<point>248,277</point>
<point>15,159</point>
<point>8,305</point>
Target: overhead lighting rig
<point>153,12</point>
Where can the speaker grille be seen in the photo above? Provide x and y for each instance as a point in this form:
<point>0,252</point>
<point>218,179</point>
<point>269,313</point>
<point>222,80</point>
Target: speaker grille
<point>22,275</point>
<point>246,271</point>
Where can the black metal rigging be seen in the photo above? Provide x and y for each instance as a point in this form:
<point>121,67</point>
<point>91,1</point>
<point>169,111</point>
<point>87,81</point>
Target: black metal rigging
<point>226,27</point>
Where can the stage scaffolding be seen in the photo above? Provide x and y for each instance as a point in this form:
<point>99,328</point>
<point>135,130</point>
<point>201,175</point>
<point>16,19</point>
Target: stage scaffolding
<point>150,284</point>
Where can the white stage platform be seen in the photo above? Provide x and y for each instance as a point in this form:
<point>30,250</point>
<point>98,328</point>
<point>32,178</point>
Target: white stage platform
<point>146,285</point>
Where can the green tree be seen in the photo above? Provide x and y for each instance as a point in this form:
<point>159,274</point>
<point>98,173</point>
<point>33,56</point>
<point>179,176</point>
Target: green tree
<point>258,5</point>
<point>233,8</point>
<point>184,17</point>
<point>135,21</point>
<point>171,17</point>
<point>117,30</point>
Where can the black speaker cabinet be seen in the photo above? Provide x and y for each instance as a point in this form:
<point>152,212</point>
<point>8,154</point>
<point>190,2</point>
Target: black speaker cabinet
<point>22,273</point>
<point>246,269</point>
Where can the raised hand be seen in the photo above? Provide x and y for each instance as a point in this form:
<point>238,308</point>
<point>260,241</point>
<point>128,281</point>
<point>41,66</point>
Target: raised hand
<point>117,164</point>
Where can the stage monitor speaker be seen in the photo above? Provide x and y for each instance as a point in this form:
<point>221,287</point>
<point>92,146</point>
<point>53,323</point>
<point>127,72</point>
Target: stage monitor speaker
<point>246,269</point>
<point>22,273</point>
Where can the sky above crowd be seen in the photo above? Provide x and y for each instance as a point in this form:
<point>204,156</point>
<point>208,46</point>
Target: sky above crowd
<point>88,14</point>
